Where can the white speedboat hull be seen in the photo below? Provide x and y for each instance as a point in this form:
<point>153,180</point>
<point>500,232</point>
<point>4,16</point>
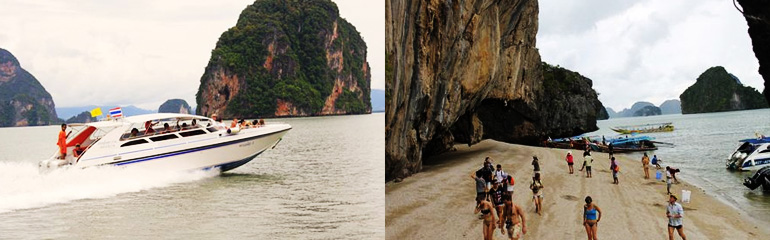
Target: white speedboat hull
<point>203,147</point>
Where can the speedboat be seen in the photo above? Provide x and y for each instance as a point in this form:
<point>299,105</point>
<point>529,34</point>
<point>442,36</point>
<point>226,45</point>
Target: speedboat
<point>751,154</point>
<point>165,141</point>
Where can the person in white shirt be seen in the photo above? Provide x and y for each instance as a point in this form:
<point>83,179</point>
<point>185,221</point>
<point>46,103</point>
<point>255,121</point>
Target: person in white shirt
<point>674,213</point>
<point>500,175</point>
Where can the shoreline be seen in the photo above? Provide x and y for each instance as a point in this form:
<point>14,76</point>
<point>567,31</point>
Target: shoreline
<point>438,202</point>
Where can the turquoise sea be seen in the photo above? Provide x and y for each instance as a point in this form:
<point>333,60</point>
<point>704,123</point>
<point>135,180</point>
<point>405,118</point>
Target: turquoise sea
<point>703,142</point>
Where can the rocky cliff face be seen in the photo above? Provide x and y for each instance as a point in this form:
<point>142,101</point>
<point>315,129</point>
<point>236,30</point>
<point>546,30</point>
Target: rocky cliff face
<point>175,106</point>
<point>468,70</point>
<point>716,90</point>
<point>757,14</point>
<point>287,58</point>
<point>23,100</point>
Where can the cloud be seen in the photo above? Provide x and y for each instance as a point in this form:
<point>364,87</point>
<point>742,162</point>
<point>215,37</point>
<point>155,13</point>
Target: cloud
<point>646,51</point>
<point>138,52</point>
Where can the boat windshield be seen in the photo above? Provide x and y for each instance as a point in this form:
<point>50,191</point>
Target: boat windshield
<point>163,126</point>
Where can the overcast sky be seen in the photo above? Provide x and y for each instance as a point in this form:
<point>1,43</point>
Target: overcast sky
<point>646,50</point>
<point>141,52</point>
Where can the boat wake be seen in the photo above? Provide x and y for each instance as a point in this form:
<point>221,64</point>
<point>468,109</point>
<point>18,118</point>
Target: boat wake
<point>23,187</point>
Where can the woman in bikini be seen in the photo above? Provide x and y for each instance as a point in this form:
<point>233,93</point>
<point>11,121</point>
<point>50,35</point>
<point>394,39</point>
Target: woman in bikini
<point>592,214</point>
<point>511,216</point>
<point>537,193</point>
<point>486,208</point>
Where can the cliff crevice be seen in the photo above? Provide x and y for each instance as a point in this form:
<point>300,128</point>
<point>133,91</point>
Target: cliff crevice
<point>468,70</point>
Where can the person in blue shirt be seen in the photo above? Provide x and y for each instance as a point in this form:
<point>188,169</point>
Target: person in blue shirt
<point>674,213</point>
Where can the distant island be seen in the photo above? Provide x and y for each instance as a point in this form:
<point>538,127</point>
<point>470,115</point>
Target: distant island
<point>716,90</point>
<point>175,106</point>
<point>642,108</point>
<point>287,58</point>
<point>23,100</point>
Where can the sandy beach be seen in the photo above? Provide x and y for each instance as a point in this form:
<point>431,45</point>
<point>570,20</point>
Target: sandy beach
<point>438,202</point>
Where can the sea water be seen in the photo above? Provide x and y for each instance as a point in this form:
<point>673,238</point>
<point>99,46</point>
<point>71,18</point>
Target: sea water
<point>702,144</point>
<point>324,180</point>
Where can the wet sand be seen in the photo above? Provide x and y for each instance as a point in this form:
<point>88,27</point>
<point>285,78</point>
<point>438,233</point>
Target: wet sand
<point>438,202</point>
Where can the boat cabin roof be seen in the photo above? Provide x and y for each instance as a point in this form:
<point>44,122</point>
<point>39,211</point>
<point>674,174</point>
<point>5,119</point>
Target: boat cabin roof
<point>136,119</point>
<point>756,140</point>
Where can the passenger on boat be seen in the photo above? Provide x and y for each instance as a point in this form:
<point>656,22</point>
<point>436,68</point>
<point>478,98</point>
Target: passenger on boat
<point>148,127</point>
<point>184,126</point>
<point>194,123</point>
<point>261,122</point>
<point>78,151</point>
<point>134,133</point>
<point>62,142</point>
<point>234,123</point>
<point>166,128</point>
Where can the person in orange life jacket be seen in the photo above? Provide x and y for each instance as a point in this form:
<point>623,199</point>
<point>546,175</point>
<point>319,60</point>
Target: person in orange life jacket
<point>62,142</point>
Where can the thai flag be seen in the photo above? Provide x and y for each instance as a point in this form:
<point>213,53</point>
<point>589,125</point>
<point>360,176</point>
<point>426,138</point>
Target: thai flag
<point>116,112</point>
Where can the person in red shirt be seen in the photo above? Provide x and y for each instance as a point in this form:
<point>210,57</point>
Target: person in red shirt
<point>570,161</point>
<point>62,142</point>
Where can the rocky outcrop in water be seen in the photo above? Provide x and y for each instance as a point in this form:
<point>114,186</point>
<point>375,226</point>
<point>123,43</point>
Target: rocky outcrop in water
<point>757,14</point>
<point>287,58</point>
<point>716,91</point>
<point>463,71</point>
<point>175,106</point>
<point>84,117</point>
<point>23,100</point>
<point>672,106</point>
<point>647,111</point>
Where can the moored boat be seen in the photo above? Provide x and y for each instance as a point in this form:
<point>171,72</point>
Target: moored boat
<point>646,128</point>
<point>626,144</point>
<point>751,154</point>
<point>165,141</point>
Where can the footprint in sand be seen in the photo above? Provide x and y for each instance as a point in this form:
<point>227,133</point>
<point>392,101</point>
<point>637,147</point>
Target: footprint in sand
<point>569,197</point>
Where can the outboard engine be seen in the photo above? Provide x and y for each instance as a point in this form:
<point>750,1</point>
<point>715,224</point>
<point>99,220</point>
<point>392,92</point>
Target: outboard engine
<point>760,178</point>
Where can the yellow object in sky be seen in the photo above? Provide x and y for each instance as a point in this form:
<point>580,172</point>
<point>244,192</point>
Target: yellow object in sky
<point>96,112</point>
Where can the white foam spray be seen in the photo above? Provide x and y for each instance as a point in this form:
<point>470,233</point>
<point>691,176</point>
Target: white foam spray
<point>23,187</point>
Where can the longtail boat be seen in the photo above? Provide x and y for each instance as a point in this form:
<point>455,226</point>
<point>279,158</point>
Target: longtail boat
<point>646,128</point>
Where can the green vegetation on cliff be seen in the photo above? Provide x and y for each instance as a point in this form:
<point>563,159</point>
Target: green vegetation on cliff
<point>23,100</point>
<point>568,91</point>
<point>716,91</point>
<point>279,50</point>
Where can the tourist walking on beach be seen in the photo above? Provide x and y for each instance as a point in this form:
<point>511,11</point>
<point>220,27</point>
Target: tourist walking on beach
<point>646,166</point>
<point>496,193</point>
<point>587,160</point>
<point>500,175</point>
<point>592,214</point>
<point>486,208</point>
<point>513,217</point>
<point>674,213</point>
<point>615,169</point>
<point>481,185</point>
<point>536,164</point>
<point>509,182</point>
<point>537,193</point>
<point>570,161</point>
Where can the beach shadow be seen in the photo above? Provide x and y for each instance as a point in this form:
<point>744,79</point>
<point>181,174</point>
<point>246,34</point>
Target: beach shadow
<point>651,183</point>
<point>604,171</point>
<point>451,157</point>
<point>570,197</point>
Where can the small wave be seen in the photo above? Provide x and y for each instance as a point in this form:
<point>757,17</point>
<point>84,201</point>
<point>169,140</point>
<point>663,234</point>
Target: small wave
<point>23,187</point>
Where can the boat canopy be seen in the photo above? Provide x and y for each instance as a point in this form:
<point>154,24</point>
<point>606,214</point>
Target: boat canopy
<point>756,140</point>
<point>630,139</point>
